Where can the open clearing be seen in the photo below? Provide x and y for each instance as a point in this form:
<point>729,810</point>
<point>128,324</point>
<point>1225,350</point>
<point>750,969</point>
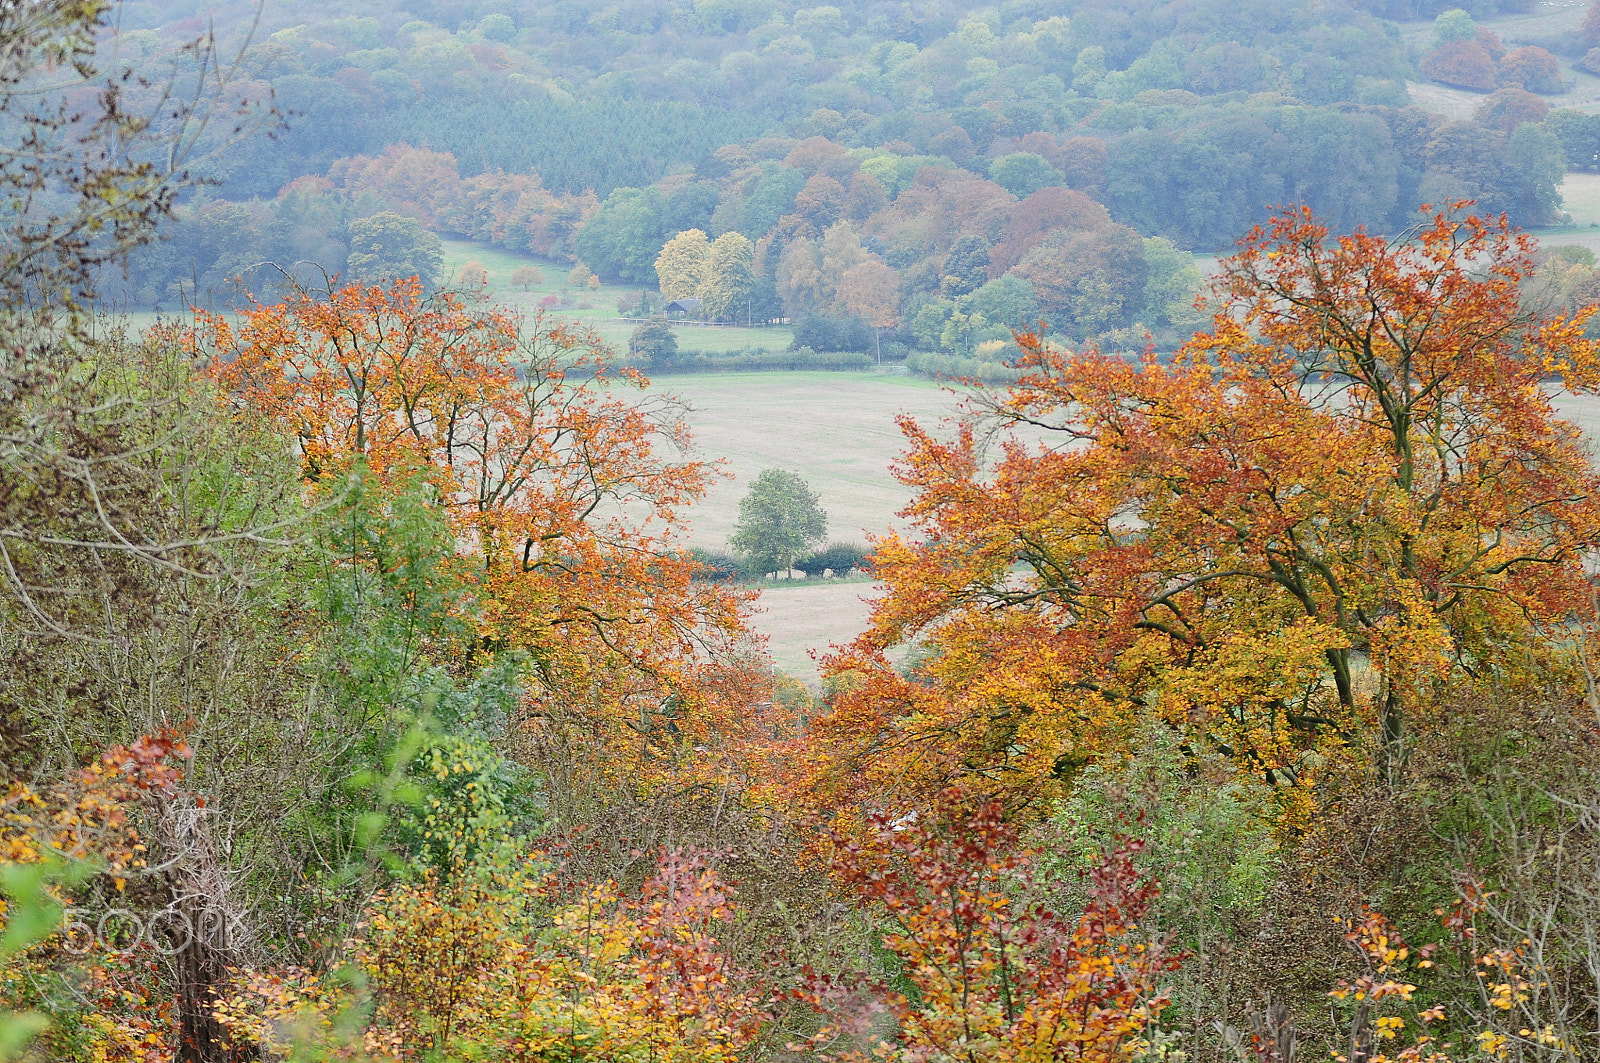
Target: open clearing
<point>838,431</point>
<point>835,429</point>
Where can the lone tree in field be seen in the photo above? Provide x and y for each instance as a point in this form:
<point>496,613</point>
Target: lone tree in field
<point>778,520</point>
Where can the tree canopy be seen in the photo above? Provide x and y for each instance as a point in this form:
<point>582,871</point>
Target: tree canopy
<point>779,517</point>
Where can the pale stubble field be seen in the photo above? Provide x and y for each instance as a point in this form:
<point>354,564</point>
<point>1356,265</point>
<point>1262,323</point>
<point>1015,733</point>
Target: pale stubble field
<point>838,431</point>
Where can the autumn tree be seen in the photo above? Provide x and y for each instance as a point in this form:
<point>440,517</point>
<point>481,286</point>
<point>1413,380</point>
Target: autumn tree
<point>471,275</point>
<point>1088,281</point>
<point>1467,64</point>
<point>1531,68</point>
<point>729,276</point>
<point>820,205</point>
<point>681,266</point>
<point>1358,462</point>
<point>564,505</point>
<point>412,181</point>
<point>997,977</point>
<point>871,291</point>
<point>1040,215</point>
<point>491,962</point>
<point>1509,108</point>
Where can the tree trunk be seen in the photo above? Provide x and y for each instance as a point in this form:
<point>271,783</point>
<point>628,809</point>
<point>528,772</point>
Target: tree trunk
<point>203,928</point>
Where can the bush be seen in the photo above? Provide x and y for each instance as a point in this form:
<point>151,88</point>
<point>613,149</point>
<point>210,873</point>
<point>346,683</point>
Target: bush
<point>827,332</point>
<point>759,359</point>
<point>717,566</point>
<point>642,303</point>
<point>653,344</point>
<point>841,557</point>
<point>952,367</point>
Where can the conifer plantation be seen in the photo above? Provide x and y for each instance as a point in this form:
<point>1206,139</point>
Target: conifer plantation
<point>1229,692</point>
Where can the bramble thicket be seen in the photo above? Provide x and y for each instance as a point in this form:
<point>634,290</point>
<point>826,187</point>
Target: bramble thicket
<point>363,699</point>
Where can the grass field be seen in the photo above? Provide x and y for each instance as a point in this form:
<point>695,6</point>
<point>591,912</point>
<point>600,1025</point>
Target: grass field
<point>601,309</point>
<point>838,431</point>
<point>1542,23</point>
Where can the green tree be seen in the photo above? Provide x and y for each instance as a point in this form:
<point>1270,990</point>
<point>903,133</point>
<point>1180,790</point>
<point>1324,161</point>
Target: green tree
<point>1007,300</point>
<point>389,245</point>
<point>966,267</point>
<point>778,520</point>
<point>498,27</point>
<point>1171,283</point>
<point>623,238</point>
<point>1539,163</point>
<point>1454,25</point>
<point>1023,173</point>
<point>653,344</point>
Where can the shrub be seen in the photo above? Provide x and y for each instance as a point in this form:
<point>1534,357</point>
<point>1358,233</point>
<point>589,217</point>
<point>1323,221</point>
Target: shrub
<point>949,367</point>
<point>827,332</point>
<point>717,566</point>
<point>642,303</point>
<point>756,359</point>
<point>653,343</point>
<point>841,557</point>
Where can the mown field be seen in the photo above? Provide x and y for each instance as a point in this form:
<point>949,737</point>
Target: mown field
<point>837,430</point>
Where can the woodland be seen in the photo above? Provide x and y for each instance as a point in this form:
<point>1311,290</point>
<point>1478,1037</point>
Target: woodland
<point>361,699</point>
<point>995,167</point>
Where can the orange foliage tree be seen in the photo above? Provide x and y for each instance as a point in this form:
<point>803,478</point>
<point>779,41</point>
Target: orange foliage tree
<point>557,477</point>
<point>997,979</point>
<point>1468,64</point>
<point>1356,472</point>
